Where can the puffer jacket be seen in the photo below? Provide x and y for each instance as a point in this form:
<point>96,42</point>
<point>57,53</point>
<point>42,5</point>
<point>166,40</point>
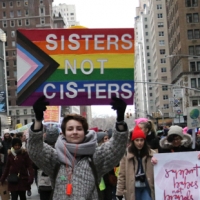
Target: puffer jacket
<point>105,158</point>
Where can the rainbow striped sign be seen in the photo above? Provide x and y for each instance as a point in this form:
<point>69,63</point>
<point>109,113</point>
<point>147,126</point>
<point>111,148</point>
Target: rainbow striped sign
<point>75,66</point>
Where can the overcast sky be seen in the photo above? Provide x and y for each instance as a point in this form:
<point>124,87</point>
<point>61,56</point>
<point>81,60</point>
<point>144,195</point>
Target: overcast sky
<point>104,14</point>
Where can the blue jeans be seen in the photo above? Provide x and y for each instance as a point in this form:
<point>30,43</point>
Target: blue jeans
<point>142,193</point>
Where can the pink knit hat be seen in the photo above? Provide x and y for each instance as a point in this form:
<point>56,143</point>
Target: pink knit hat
<point>139,120</point>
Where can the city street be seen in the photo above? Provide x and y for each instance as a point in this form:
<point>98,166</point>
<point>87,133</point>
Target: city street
<point>35,195</point>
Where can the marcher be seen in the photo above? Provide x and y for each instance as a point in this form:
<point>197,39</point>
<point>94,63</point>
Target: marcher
<point>136,180</point>
<point>7,144</point>
<point>81,162</point>
<point>175,141</point>
<point>148,127</point>
<point>18,171</point>
<point>44,183</point>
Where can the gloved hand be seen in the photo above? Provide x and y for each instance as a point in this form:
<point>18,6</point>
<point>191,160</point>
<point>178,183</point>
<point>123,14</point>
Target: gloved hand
<point>120,106</point>
<point>119,197</point>
<point>39,107</point>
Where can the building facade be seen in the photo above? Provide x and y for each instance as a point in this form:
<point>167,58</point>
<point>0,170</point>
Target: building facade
<point>16,15</point>
<point>183,18</point>
<point>152,71</point>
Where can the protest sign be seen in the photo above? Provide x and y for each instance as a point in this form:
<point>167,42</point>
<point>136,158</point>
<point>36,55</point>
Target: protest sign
<point>52,114</point>
<point>75,66</point>
<point>177,176</point>
<point>193,117</point>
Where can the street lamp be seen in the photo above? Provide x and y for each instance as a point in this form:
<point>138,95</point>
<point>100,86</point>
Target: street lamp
<point>3,39</point>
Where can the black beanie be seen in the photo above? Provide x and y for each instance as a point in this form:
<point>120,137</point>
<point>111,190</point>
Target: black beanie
<point>16,141</point>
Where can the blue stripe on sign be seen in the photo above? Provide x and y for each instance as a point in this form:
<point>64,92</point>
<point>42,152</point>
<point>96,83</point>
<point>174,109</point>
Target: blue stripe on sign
<point>84,86</point>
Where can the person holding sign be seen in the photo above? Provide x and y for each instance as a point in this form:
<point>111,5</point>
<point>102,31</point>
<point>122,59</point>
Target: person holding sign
<point>77,164</point>
<point>176,141</point>
<point>136,180</point>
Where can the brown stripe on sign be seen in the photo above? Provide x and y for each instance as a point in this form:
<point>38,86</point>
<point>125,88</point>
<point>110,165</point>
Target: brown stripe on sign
<point>49,67</point>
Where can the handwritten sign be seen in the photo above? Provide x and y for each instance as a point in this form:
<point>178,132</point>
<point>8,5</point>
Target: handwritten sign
<point>52,114</point>
<point>75,66</point>
<point>177,176</point>
<point>193,117</point>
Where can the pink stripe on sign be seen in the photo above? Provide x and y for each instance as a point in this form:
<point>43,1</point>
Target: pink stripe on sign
<point>30,71</point>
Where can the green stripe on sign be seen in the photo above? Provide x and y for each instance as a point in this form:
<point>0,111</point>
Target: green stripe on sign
<point>109,74</point>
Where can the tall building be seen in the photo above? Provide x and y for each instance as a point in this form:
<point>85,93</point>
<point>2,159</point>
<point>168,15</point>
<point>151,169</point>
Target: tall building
<point>67,12</point>
<point>16,15</point>
<point>183,18</point>
<point>152,69</point>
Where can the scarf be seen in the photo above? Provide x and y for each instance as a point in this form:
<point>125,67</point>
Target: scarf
<point>66,151</point>
<point>15,152</point>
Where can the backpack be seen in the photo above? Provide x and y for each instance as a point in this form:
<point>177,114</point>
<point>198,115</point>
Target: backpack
<point>44,181</point>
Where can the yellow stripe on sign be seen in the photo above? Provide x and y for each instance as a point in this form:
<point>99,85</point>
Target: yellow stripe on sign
<point>96,60</point>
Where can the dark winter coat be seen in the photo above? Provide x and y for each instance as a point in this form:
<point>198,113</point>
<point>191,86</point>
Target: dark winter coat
<point>7,144</point>
<point>20,164</point>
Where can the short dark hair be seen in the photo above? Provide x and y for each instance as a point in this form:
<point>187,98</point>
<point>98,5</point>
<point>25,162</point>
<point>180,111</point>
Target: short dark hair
<point>76,117</point>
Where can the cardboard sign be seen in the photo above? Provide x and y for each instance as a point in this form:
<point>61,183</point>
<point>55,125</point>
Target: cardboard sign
<point>52,114</point>
<point>177,176</point>
<point>75,66</point>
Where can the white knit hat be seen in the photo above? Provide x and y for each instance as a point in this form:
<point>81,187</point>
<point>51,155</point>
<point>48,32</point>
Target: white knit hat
<point>175,130</point>
<point>6,131</point>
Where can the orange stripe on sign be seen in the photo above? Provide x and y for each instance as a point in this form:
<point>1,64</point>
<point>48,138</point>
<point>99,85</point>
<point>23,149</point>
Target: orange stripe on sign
<point>85,48</point>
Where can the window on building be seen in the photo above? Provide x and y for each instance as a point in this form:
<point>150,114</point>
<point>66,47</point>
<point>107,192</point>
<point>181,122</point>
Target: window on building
<point>197,49</point>
<point>162,60</point>
<point>190,34</point>
<point>164,78</point>
<point>192,66</point>
<point>149,67</point>
<point>161,33</point>
<point>147,47</point>
<point>4,23</point>
<point>6,53</point>
<point>41,11</point>
<point>26,12</point>
<point>3,4</point>
<point>15,74</point>
<point>160,24</point>
<point>11,14</point>
<point>198,66</point>
<point>41,1</point>
<point>71,13</point>
<point>162,42</point>
<point>162,51</point>
<point>12,23</point>
<point>17,112</point>
<point>166,106</point>
<point>159,6</point>
<point>191,3</point>
<point>149,74</point>
<point>19,22</point>
<point>8,73</point>
<point>150,94</point>
<point>191,50</point>
<point>13,43</point>
<point>18,121</point>
<point>194,102</point>
<point>19,13</point>
<point>164,88</point>
<point>193,83</point>
<point>26,2</point>
<point>27,22</point>
<point>4,14</point>
<point>146,26</point>
<point>160,15</point>
<point>12,33</point>
<point>146,33</point>
<point>148,54</point>
<point>14,62</point>
<point>147,40</point>
<point>7,63</point>
<point>11,4</point>
<point>145,19</point>
<point>32,111</point>
<point>8,82</point>
<point>18,3</point>
<point>148,60</point>
<point>196,33</point>
<point>42,20</point>
<point>25,111</point>
<point>25,121</point>
<point>192,18</point>
<point>165,97</point>
<point>163,69</point>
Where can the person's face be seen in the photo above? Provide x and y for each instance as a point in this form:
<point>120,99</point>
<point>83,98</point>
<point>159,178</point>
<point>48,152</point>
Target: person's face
<point>176,141</point>
<point>139,143</point>
<point>23,138</point>
<point>7,135</point>
<point>74,132</point>
<point>144,129</point>
<point>16,147</point>
<point>105,139</point>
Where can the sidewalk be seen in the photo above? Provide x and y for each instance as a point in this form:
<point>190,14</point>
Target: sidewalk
<point>35,195</point>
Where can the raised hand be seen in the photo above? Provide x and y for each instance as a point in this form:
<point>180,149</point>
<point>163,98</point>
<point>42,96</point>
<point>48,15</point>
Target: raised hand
<point>120,106</point>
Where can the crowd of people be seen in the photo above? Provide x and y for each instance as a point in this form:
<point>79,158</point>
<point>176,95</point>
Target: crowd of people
<point>79,162</point>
